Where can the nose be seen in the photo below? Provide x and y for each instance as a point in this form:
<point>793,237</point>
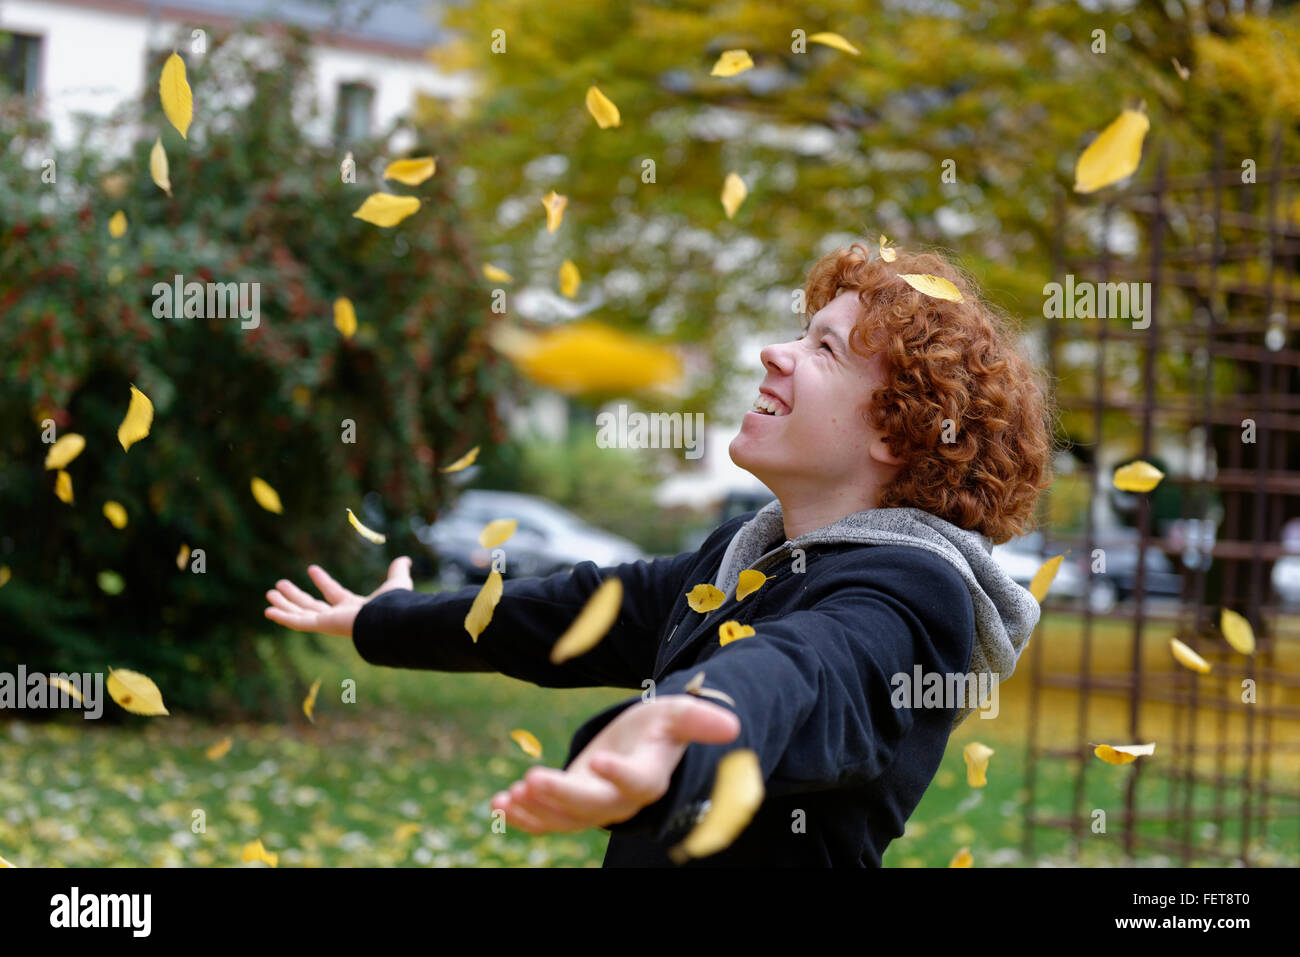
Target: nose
<point>776,357</point>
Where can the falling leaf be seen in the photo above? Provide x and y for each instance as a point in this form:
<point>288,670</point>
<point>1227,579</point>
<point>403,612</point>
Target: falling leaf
<point>158,168</point>
<point>1237,631</point>
<point>588,356</point>
<point>592,623</point>
<point>730,631</point>
<point>64,451</point>
<point>385,209</point>
<point>365,532</point>
<point>1114,154</point>
<point>406,831</point>
<point>345,317</point>
<point>1122,754</point>
<point>254,851</point>
<point>485,602</point>
<point>1188,658</point>
<point>695,684</point>
<point>412,172</point>
<point>464,462</point>
<point>977,762</point>
<point>731,62</point>
<point>219,750</point>
<point>63,486</point>
<point>887,253</point>
<point>266,496</point>
<point>66,686</point>
<point>135,692</point>
<point>696,687</point>
<point>554,204</point>
<point>530,745</point>
<point>117,225</point>
<point>183,557</point>
<point>174,91</point>
<point>5,575</point>
<point>569,278</point>
<point>110,582</point>
<point>348,163</point>
<point>115,513</point>
<point>137,421</point>
<point>602,108</point>
<point>1183,72</point>
<point>309,703</point>
<point>493,274</point>
<point>737,794</point>
<point>751,580</point>
<point>497,531</point>
<point>1044,576</point>
<point>733,194</point>
<point>704,598</point>
<point>4,863</point>
<point>935,286</point>
<point>834,40</point>
<point>962,858</point>
<point>1137,477</point>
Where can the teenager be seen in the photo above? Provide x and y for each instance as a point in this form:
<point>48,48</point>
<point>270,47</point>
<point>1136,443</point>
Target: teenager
<point>903,435</point>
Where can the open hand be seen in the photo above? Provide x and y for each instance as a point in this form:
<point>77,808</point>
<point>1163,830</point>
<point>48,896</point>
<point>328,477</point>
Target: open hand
<point>294,608</point>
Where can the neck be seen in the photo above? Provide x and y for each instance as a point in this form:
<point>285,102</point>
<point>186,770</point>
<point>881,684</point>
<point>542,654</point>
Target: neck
<point>805,510</point>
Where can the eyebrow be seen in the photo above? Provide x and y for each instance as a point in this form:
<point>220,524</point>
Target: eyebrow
<point>826,330</point>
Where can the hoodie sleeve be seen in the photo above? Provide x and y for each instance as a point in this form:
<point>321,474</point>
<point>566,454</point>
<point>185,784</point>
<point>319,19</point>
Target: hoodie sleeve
<point>406,629</point>
<point>813,687</point>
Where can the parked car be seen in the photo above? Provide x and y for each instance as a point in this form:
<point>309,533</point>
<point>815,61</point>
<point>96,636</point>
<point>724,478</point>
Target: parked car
<point>1162,577</point>
<point>548,538</point>
<point>1286,570</point>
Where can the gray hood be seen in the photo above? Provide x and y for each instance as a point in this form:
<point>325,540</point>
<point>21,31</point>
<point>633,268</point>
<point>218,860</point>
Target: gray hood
<point>1005,612</point>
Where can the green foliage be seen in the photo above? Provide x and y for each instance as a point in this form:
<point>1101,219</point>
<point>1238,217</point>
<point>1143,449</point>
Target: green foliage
<point>254,201</point>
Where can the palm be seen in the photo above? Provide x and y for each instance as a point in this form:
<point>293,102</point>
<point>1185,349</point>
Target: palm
<point>294,608</point>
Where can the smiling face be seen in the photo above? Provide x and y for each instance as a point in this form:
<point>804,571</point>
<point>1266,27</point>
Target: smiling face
<point>821,447</point>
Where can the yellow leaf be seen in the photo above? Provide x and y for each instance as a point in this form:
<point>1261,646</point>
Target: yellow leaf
<point>1183,72</point>
<point>569,278</point>
<point>412,172</point>
<point>464,462</point>
<point>366,533</point>
<point>935,286</point>
<point>554,204</point>
<point>834,40</point>
<point>714,693</point>
<point>977,763</point>
<point>66,686</point>
<point>750,581</point>
<point>530,745</point>
<point>254,851</point>
<point>406,831</point>
<point>137,421</point>
<point>733,194</point>
<point>695,684</point>
<point>4,863</point>
<point>887,253</point>
<point>497,531</point>
<point>218,750</point>
<point>592,623</point>
<point>962,858</point>
<point>63,486</point>
<point>1044,576</point>
<point>309,703</point>
<point>730,631</point>
<point>588,356</point>
<point>731,62</point>
<point>135,692</point>
<point>1188,658</point>
<point>158,168</point>
<point>183,557</point>
<point>485,602</point>
<point>117,225</point>
<point>5,575</point>
<point>1237,631</point>
<point>1137,477</point>
<point>737,795</point>
<point>1114,154</point>
<point>494,274</point>
<point>115,513</point>
<point>704,597</point>
<point>1122,753</point>
<point>345,317</point>
<point>266,496</point>
<point>385,209</point>
<point>174,91</point>
<point>602,108</point>
<point>64,451</point>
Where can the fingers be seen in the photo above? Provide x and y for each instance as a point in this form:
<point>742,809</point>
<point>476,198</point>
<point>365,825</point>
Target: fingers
<point>300,597</point>
<point>690,719</point>
<point>557,815</point>
<point>400,571</point>
<point>299,621</point>
<point>332,590</point>
<point>622,774</point>
<point>274,598</point>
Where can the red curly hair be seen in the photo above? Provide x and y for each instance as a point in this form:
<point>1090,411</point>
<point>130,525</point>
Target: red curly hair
<point>954,361</point>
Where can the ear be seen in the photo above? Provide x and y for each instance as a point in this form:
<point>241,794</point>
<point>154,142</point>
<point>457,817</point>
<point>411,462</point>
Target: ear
<point>880,452</point>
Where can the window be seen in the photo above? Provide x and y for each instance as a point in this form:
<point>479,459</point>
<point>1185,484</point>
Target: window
<point>352,118</point>
<point>20,58</point>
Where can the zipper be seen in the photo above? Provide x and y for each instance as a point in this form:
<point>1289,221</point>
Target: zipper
<point>668,640</point>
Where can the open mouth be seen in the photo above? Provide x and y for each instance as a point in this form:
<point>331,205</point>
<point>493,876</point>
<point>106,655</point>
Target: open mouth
<point>766,405</point>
